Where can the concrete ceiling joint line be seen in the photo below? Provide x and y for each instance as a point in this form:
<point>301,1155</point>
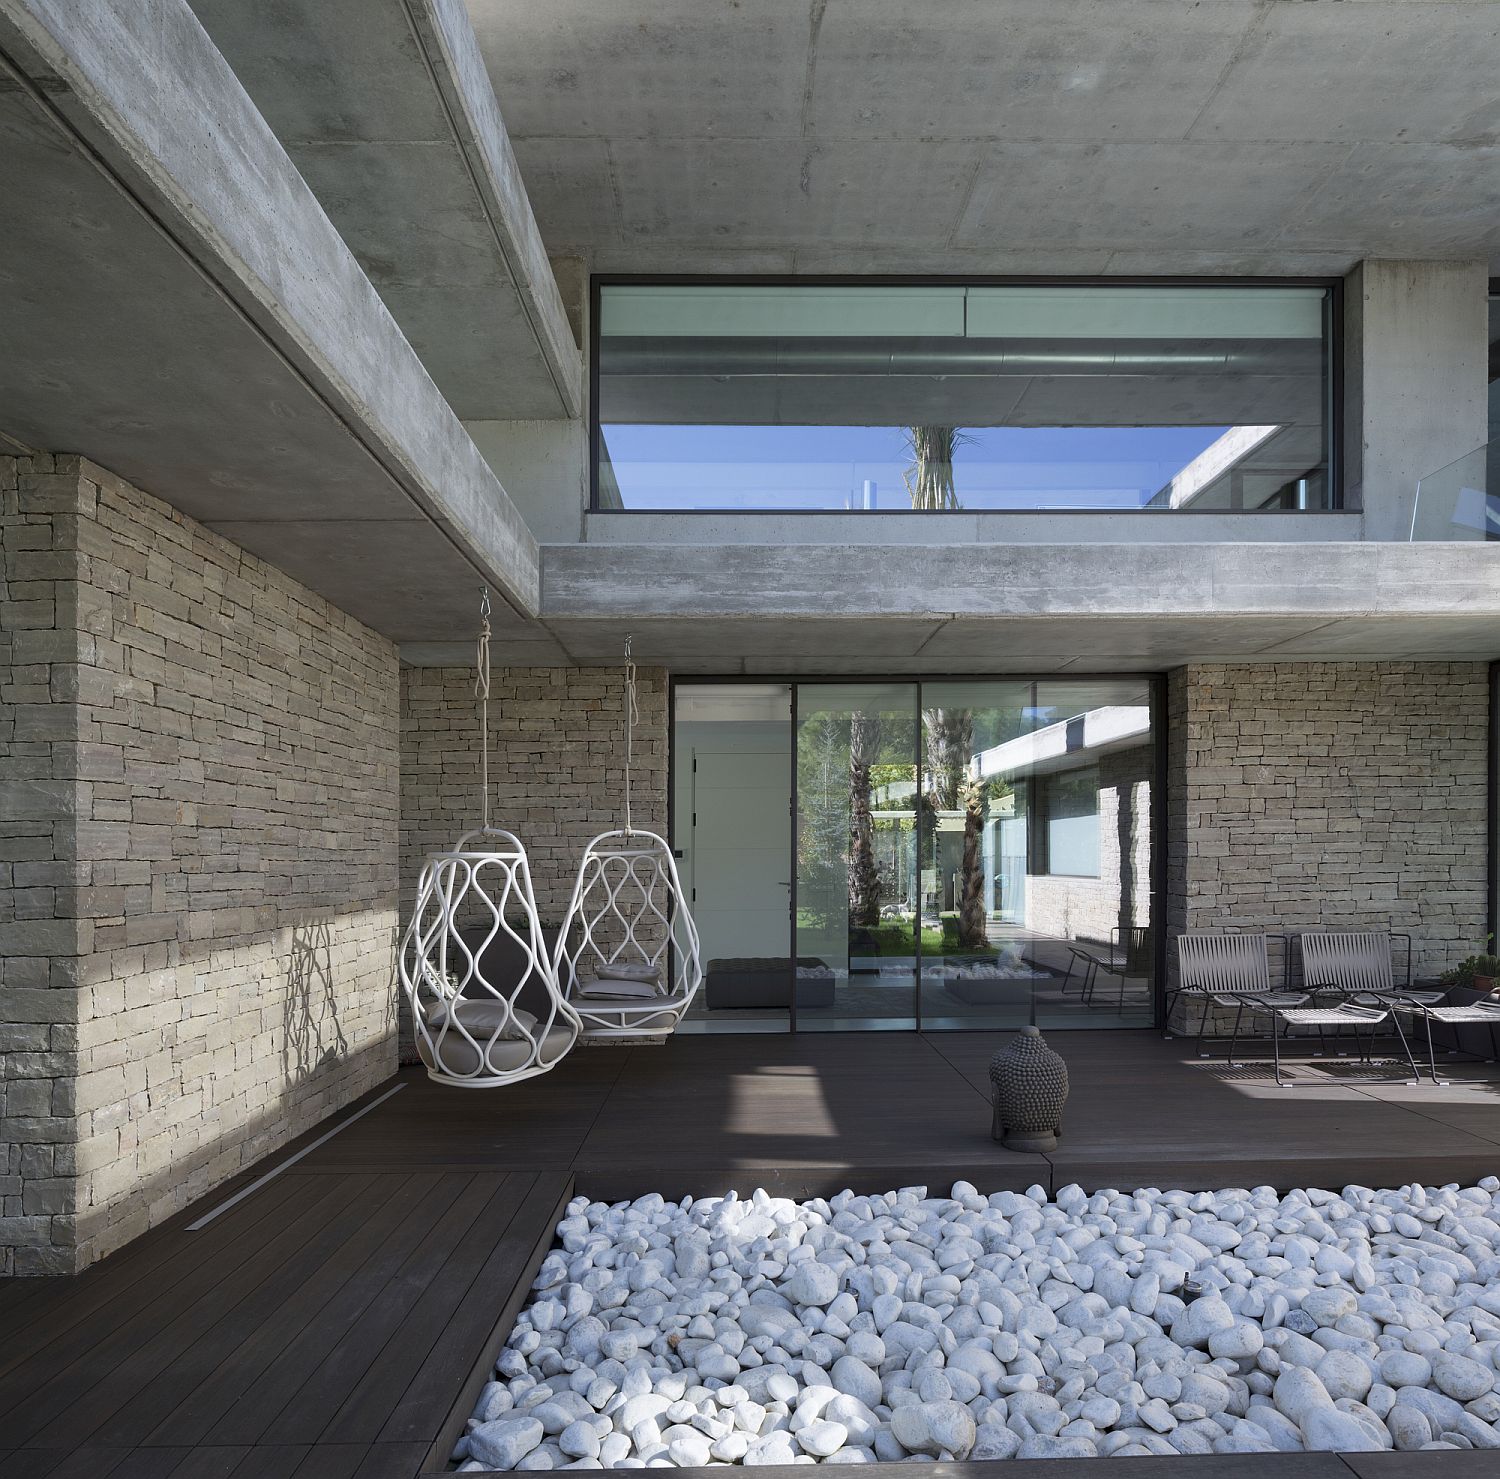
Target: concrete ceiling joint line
<point>441,29</point>
<point>1255,22</point>
<point>100,56</point>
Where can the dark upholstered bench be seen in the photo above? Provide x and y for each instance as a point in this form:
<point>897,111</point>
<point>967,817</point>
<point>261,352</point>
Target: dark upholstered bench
<point>743,983</point>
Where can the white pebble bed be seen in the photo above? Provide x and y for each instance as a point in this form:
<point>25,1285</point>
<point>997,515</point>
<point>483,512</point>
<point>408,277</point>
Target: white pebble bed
<point>909,1326</point>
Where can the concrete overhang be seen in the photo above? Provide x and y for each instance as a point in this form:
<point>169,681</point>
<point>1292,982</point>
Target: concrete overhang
<point>1035,608</point>
<point>1030,136</point>
<point>386,108</point>
<point>179,309</point>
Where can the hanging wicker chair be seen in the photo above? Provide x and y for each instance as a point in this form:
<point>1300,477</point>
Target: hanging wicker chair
<point>485,1005</point>
<point>627,959</point>
<point>477,971</point>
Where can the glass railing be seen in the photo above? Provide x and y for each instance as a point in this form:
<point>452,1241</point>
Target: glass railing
<point>1456,502</point>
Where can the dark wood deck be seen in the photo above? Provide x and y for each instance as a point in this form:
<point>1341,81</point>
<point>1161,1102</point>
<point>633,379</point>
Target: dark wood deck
<point>334,1322</point>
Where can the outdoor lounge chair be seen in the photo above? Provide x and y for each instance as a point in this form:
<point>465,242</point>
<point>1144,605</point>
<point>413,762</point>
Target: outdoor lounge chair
<point>1227,971</point>
<point>1356,965</point>
<point>1344,1014</point>
<point>1473,1014</point>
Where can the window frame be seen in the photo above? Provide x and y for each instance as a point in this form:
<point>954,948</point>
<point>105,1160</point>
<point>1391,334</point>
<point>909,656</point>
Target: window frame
<point>1333,388</point>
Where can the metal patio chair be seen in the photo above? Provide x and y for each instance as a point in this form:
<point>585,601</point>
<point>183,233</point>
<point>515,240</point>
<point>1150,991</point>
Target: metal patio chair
<point>1345,1014</point>
<point>1474,1014</point>
<point>1227,971</point>
<point>1357,964</point>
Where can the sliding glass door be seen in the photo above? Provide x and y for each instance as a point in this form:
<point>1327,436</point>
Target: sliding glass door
<point>934,854</point>
<point>857,873</point>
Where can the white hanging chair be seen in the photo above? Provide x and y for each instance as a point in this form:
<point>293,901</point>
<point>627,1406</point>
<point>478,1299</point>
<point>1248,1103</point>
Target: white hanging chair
<point>482,985</point>
<point>627,957</point>
<point>485,1005</point>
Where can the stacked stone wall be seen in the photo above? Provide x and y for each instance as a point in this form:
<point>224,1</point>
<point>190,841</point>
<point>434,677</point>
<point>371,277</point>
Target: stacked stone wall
<point>214,923</point>
<point>1330,796</point>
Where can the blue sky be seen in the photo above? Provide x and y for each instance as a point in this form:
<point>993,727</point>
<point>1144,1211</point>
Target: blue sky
<point>822,467</point>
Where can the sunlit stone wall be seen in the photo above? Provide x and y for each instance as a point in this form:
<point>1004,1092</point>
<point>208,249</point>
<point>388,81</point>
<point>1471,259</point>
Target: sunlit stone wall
<point>1340,796</point>
<point>210,943</point>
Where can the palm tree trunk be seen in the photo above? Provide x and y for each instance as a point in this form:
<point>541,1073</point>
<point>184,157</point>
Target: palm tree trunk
<point>929,479</point>
<point>864,866</point>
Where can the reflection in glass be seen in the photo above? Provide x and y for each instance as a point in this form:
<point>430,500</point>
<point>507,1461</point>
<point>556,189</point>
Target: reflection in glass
<point>976,849</point>
<point>945,396</point>
<point>1036,848</point>
<point>857,852</point>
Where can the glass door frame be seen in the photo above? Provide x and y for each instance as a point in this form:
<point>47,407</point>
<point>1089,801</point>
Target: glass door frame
<point>1157,694</point>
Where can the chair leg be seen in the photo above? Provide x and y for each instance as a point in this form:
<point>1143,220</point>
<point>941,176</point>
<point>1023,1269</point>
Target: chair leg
<point>1416,1076</point>
<point>1431,1055</point>
<point>1276,1023</point>
<point>1166,1020</point>
<point>1068,975</point>
<point>1234,1035</point>
<point>1202,1024</point>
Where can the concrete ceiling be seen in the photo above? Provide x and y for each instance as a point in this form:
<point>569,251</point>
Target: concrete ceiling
<point>1027,136</point>
<point>385,108</point>
<point>179,310</point>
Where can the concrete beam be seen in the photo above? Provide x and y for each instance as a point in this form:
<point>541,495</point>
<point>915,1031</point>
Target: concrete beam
<point>960,527</point>
<point>181,311</point>
<point>1039,580</point>
<point>989,608</point>
<point>386,108</point>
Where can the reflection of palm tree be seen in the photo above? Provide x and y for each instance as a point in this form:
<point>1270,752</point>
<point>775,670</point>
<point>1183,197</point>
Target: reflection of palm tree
<point>929,479</point>
<point>950,745</point>
<point>864,866</point>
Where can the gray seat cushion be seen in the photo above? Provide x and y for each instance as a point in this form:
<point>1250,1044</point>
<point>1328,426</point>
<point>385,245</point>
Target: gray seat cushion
<point>457,1056</point>
<point>481,1018</point>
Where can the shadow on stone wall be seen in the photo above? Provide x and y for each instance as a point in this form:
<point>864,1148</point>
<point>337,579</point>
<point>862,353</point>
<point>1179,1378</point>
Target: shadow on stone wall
<point>312,1036</point>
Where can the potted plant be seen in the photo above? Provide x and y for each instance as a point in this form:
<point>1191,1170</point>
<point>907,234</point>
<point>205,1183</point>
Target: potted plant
<point>1477,973</point>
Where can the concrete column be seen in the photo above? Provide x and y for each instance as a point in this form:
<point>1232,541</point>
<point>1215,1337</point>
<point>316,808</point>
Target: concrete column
<point>1415,381</point>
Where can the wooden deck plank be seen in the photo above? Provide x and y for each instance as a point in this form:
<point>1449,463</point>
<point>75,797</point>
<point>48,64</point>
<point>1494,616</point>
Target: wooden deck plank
<point>29,1463</point>
<point>332,1461</point>
<point>249,1408</point>
<point>109,1293</point>
<point>471,1333</point>
<point>279,1462</point>
<point>391,1461</point>
<point>86,1391</point>
<point>316,1262</point>
<point>360,1416</point>
<point>305,1417</point>
<point>444,1377</point>
<point>210,1463</point>
<point>400,1197</point>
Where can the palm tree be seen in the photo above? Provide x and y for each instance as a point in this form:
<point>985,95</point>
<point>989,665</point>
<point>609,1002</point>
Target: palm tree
<point>864,866</point>
<point>950,744</point>
<point>929,479</point>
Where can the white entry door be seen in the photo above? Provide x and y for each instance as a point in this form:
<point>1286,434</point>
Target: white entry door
<point>742,853</point>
